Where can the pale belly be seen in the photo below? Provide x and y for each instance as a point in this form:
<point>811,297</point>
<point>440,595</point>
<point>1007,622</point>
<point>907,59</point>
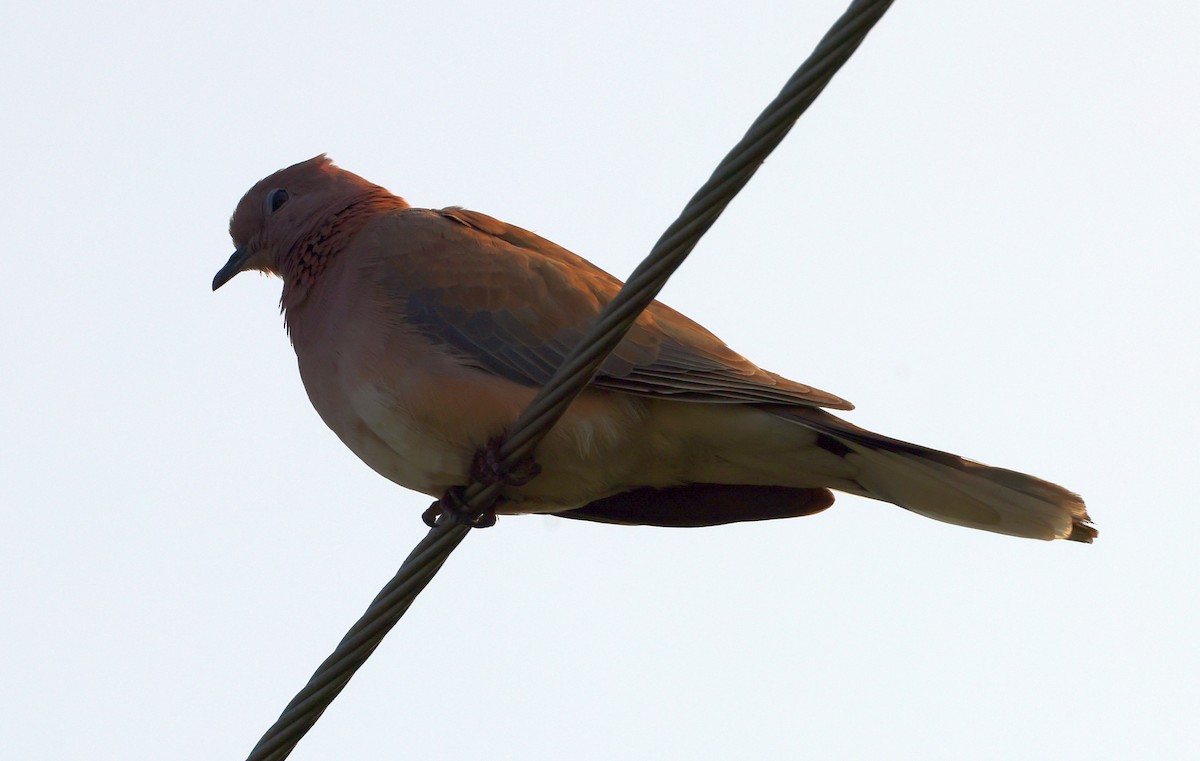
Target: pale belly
<point>422,429</point>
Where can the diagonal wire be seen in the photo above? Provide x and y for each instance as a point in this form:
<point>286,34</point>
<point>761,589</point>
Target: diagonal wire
<point>730,176</point>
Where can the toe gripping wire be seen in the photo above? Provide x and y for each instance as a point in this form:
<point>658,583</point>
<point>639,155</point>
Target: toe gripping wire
<point>477,498</point>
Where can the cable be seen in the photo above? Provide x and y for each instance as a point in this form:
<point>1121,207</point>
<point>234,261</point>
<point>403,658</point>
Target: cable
<point>730,176</point>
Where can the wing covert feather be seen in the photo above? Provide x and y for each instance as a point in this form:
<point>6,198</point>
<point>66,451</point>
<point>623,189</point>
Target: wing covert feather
<point>527,302</point>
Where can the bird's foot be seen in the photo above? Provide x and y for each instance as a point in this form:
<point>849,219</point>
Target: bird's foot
<point>453,505</point>
<point>487,467</point>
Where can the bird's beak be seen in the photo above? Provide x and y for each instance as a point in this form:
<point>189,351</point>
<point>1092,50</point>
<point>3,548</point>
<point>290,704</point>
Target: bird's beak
<point>232,267</point>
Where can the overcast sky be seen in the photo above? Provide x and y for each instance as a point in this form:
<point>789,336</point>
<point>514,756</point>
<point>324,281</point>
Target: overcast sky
<point>984,234</point>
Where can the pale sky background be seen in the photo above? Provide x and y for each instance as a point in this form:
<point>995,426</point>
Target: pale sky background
<point>984,234</point>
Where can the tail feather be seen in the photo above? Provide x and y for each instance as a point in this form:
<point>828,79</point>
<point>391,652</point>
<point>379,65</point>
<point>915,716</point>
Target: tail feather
<point>949,488</point>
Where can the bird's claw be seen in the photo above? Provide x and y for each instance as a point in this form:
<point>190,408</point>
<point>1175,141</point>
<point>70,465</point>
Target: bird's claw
<point>456,508</point>
<point>487,468</point>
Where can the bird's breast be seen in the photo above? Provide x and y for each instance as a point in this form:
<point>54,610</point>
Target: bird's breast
<point>417,413</point>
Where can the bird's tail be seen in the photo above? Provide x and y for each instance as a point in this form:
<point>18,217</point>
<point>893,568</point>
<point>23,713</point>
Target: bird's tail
<point>947,487</point>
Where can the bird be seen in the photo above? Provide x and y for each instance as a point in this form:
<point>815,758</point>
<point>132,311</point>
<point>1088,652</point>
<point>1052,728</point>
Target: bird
<point>421,334</point>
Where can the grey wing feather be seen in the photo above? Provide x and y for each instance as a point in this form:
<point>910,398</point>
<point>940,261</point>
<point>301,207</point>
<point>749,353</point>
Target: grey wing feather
<point>528,302</point>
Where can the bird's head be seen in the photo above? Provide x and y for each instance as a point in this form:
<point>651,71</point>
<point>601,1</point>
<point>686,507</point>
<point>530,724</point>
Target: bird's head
<point>283,209</point>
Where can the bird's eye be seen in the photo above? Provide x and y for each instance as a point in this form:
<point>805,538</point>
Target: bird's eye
<point>276,198</point>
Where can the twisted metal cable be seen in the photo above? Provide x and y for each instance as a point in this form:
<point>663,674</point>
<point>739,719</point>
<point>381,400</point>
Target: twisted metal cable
<point>730,176</point>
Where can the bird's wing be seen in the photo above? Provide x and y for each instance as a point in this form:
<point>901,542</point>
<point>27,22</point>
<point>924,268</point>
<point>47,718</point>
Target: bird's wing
<point>515,304</point>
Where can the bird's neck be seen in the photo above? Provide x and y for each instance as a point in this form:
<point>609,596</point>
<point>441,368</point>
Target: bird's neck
<point>313,251</point>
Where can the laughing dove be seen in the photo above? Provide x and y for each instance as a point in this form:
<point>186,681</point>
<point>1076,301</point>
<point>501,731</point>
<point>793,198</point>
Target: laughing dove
<point>421,335</point>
